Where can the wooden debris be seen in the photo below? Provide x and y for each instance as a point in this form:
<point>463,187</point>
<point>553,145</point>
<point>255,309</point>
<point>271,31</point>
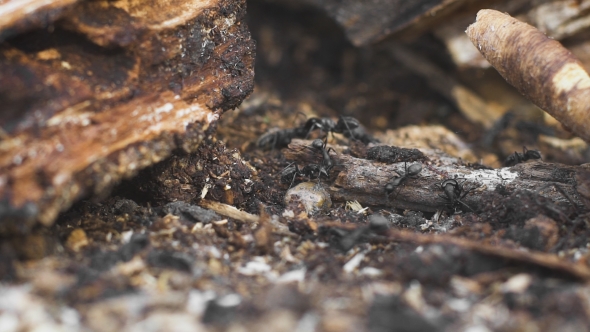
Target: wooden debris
<point>20,16</point>
<point>539,67</point>
<point>364,180</point>
<point>549,261</point>
<point>77,240</point>
<point>92,100</point>
<point>229,211</point>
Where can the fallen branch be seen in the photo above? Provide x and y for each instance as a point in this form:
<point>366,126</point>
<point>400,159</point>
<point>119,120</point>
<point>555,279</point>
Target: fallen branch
<point>548,261</point>
<point>364,180</point>
<point>539,67</point>
<point>229,211</point>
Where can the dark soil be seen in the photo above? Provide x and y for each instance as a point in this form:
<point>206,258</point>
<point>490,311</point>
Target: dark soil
<point>148,255</point>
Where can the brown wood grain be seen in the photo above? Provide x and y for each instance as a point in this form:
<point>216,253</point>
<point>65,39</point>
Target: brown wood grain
<point>109,89</point>
<point>364,180</point>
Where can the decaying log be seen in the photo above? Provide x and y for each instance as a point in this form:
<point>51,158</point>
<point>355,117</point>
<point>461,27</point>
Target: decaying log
<point>538,67</point>
<point>17,16</point>
<point>364,180</point>
<point>109,89</point>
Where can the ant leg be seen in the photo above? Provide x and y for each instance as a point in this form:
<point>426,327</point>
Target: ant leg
<point>566,195</point>
<point>292,180</point>
<point>465,205</point>
<point>312,128</point>
<point>297,172</point>
<point>348,129</point>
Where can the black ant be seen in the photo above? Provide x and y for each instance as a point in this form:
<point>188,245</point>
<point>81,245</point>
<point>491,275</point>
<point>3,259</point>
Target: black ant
<point>411,171</point>
<point>311,170</point>
<point>279,138</point>
<point>518,157</point>
<point>454,193</point>
<point>327,164</point>
<point>346,125</point>
<point>292,171</point>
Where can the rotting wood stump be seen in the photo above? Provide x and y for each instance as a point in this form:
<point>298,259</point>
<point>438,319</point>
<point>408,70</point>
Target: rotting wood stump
<point>104,89</point>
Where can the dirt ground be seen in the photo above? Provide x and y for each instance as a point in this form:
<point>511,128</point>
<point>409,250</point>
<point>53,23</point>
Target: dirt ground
<point>150,257</point>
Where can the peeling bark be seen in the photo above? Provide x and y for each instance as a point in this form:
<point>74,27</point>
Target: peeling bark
<point>112,88</point>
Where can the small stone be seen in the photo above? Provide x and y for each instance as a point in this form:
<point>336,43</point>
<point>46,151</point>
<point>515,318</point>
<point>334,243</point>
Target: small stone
<point>312,195</point>
<point>517,284</point>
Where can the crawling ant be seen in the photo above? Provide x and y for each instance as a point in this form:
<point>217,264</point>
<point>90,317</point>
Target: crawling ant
<point>346,125</point>
<point>292,171</point>
<point>411,171</point>
<point>311,170</point>
<point>454,193</point>
<point>327,163</point>
<point>517,157</point>
<point>278,138</point>
<point>289,173</point>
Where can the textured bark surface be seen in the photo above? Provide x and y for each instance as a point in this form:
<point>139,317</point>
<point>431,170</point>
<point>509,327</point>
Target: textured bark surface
<point>17,16</point>
<point>538,67</point>
<point>364,181</point>
<point>110,88</point>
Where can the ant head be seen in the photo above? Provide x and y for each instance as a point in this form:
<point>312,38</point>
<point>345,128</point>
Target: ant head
<point>317,144</point>
<point>414,170</point>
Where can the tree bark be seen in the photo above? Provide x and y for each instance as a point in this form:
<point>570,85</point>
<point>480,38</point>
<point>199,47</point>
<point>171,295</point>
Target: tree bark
<point>109,89</point>
<point>364,180</point>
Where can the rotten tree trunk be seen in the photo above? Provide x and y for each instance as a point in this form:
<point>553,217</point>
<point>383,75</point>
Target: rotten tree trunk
<point>364,180</point>
<point>108,89</point>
